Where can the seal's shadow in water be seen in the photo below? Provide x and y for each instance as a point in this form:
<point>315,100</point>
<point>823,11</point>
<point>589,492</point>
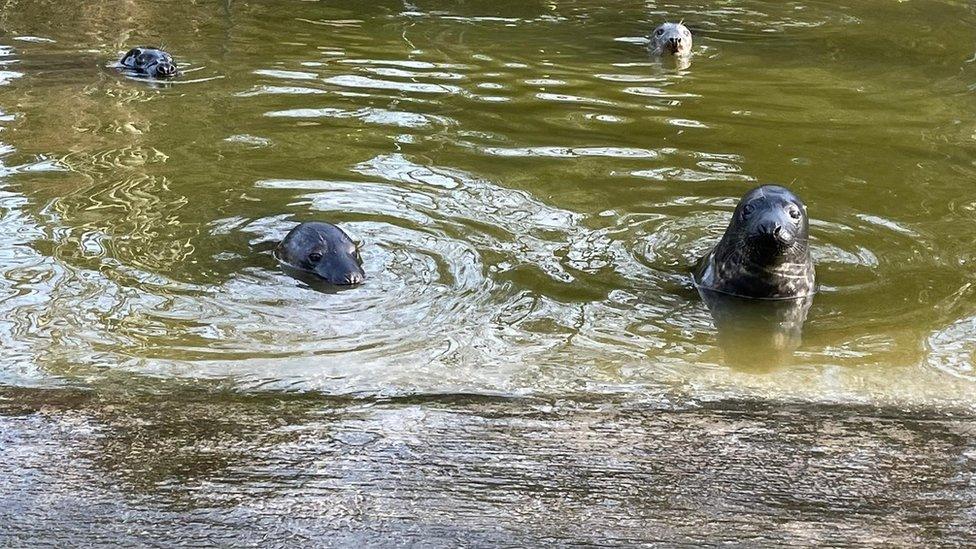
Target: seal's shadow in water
<point>757,334</point>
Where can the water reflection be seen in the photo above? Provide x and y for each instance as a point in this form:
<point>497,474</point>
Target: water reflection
<point>757,334</point>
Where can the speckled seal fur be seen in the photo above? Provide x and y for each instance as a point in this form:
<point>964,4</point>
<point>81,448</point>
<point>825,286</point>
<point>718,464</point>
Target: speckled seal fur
<point>764,253</point>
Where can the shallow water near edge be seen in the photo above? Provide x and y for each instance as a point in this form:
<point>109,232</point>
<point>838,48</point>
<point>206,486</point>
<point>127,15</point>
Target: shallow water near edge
<point>530,189</point>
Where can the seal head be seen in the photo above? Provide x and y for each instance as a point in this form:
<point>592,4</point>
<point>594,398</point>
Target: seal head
<point>151,62</point>
<point>324,250</point>
<point>764,253</point>
<point>671,39</point>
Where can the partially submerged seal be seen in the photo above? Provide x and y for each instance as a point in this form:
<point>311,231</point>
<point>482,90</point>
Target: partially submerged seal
<point>324,250</point>
<point>671,38</point>
<point>151,62</point>
<point>764,253</point>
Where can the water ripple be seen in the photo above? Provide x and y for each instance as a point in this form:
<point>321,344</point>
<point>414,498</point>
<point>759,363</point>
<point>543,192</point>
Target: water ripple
<point>529,203</point>
<point>354,81</point>
<point>366,115</point>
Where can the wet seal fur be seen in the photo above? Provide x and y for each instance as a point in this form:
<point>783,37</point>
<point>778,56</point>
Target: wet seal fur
<point>671,39</point>
<point>151,62</point>
<point>323,250</point>
<point>765,252</point>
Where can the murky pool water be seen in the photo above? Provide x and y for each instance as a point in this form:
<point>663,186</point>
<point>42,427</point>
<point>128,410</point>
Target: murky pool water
<point>530,189</point>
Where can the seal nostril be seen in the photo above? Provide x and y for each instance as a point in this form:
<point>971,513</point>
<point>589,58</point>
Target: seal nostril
<point>782,235</point>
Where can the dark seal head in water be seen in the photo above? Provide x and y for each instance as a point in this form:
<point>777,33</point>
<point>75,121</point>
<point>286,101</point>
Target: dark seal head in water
<point>671,38</point>
<point>324,250</point>
<point>764,253</point>
<point>151,62</point>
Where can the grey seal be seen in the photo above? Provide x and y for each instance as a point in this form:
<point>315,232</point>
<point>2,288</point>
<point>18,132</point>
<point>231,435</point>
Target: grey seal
<point>151,62</point>
<point>671,38</point>
<point>323,250</point>
<point>765,252</point>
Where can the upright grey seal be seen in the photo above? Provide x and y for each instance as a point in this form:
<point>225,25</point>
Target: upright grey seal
<point>671,38</point>
<point>764,253</point>
<point>324,250</point>
<point>151,62</point>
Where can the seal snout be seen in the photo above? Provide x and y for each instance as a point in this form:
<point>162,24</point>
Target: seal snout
<point>777,233</point>
<point>340,269</point>
<point>783,236</point>
<point>352,279</point>
<point>165,69</point>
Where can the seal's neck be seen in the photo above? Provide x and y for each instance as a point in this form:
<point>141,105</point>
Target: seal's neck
<point>750,272</point>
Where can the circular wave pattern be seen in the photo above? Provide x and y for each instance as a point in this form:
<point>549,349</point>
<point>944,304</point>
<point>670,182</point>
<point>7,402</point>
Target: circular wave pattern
<point>529,202</point>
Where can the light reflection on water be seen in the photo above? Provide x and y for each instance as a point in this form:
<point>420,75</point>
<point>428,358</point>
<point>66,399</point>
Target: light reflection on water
<point>528,214</point>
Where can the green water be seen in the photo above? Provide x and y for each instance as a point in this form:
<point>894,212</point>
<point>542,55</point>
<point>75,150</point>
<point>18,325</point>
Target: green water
<point>530,189</point>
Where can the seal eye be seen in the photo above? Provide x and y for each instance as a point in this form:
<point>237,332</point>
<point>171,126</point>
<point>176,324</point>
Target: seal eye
<point>747,209</point>
<point>659,32</point>
<point>795,213</point>
<point>315,257</point>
